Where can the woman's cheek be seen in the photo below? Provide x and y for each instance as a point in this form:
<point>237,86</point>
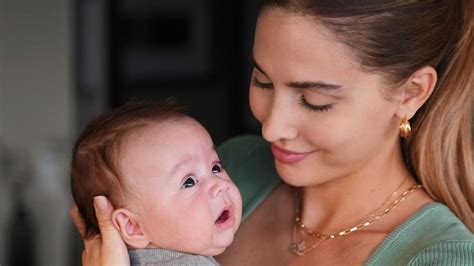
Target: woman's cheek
<point>259,104</point>
<point>330,133</point>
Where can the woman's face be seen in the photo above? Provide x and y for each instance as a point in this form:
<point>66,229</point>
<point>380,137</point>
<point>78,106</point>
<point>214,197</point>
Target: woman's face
<point>324,116</point>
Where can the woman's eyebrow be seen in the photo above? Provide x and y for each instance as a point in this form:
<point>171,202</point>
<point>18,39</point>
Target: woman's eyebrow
<point>314,85</point>
<point>304,84</point>
<point>256,65</point>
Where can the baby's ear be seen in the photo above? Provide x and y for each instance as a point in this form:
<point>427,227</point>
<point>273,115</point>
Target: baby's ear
<point>130,228</point>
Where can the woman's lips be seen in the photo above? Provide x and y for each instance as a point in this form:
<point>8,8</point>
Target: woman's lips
<point>288,157</point>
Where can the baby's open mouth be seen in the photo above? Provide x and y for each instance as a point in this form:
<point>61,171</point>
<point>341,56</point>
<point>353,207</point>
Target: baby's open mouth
<point>226,219</point>
<point>223,217</point>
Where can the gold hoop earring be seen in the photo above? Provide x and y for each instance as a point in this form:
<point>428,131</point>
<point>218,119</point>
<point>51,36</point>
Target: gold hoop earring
<point>405,128</point>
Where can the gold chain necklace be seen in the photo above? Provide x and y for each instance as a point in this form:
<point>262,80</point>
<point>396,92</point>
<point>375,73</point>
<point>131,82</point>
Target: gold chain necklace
<point>370,215</point>
<point>300,248</point>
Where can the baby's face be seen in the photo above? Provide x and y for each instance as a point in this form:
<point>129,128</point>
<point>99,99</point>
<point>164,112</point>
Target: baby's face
<point>183,197</point>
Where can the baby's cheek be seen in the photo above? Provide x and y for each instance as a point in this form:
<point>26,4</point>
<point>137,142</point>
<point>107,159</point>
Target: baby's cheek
<point>237,200</point>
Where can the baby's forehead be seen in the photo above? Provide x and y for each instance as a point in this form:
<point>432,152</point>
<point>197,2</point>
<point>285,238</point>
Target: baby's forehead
<point>162,179</point>
<point>170,125</point>
<point>151,130</point>
<point>166,143</point>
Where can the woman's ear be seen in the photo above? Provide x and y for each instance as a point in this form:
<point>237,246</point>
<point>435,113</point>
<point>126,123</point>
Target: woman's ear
<point>416,91</point>
<point>130,228</point>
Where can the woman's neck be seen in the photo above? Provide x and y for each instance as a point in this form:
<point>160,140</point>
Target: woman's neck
<point>342,203</point>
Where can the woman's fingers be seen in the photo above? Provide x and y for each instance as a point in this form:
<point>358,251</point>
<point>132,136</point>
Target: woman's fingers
<point>91,256</point>
<point>92,246</point>
<point>107,248</point>
<point>77,220</point>
<point>113,250</point>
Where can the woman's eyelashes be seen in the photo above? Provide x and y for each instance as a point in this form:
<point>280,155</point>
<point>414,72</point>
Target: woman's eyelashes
<point>302,100</point>
<point>262,85</point>
<point>313,107</point>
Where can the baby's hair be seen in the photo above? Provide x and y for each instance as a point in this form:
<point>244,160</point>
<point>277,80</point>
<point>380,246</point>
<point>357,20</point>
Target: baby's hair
<point>94,165</point>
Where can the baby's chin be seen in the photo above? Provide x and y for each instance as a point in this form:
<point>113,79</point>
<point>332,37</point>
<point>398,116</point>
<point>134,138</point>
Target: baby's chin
<point>214,251</point>
<point>211,251</point>
<point>217,248</point>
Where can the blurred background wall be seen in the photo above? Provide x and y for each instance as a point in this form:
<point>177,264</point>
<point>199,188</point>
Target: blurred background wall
<point>37,125</point>
<point>63,62</point>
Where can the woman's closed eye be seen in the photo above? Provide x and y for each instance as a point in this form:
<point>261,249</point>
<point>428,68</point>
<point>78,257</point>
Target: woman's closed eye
<point>262,85</point>
<point>314,107</point>
<point>189,181</point>
<point>302,100</point>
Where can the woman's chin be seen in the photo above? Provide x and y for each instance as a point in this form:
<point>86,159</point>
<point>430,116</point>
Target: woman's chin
<point>293,177</point>
<point>289,174</point>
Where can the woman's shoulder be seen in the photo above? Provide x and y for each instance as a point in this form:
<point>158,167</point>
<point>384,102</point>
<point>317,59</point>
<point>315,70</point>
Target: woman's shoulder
<point>249,162</point>
<point>434,235</point>
<point>449,252</point>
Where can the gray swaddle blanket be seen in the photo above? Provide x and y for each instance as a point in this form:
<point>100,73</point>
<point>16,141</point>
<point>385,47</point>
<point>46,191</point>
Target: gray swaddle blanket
<point>159,256</point>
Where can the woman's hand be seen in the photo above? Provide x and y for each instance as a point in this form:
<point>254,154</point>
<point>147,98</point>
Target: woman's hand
<point>107,248</point>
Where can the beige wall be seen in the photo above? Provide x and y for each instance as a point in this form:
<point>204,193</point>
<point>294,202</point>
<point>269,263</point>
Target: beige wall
<point>37,123</point>
<point>36,71</point>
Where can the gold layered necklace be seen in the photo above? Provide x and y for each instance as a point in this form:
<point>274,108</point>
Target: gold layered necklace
<point>314,239</point>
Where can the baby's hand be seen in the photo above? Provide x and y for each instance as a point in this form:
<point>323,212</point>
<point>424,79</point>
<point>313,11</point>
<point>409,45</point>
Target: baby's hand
<point>107,248</point>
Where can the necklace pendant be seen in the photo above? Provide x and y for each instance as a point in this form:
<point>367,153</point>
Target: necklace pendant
<point>298,249</point>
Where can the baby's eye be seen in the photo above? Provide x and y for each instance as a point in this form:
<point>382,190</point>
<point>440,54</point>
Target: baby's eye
<point>217,168</point>
<point>190,181</point>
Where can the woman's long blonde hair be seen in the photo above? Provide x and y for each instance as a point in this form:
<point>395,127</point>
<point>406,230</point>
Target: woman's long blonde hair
<point>441,150</point>
<point>396,38</point>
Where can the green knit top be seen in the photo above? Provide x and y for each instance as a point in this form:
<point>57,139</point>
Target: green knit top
<point>432,236</point>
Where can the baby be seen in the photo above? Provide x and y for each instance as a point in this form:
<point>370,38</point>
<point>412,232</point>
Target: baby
<point>175,204</point>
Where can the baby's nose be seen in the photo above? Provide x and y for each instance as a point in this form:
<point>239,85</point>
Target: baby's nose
<point>219,186</point>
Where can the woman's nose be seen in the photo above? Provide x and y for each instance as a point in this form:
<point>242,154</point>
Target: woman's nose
<point>219,186</point>
<point>280,121</point>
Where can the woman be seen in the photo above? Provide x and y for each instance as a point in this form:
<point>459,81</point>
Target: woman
<point>336,86</point>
